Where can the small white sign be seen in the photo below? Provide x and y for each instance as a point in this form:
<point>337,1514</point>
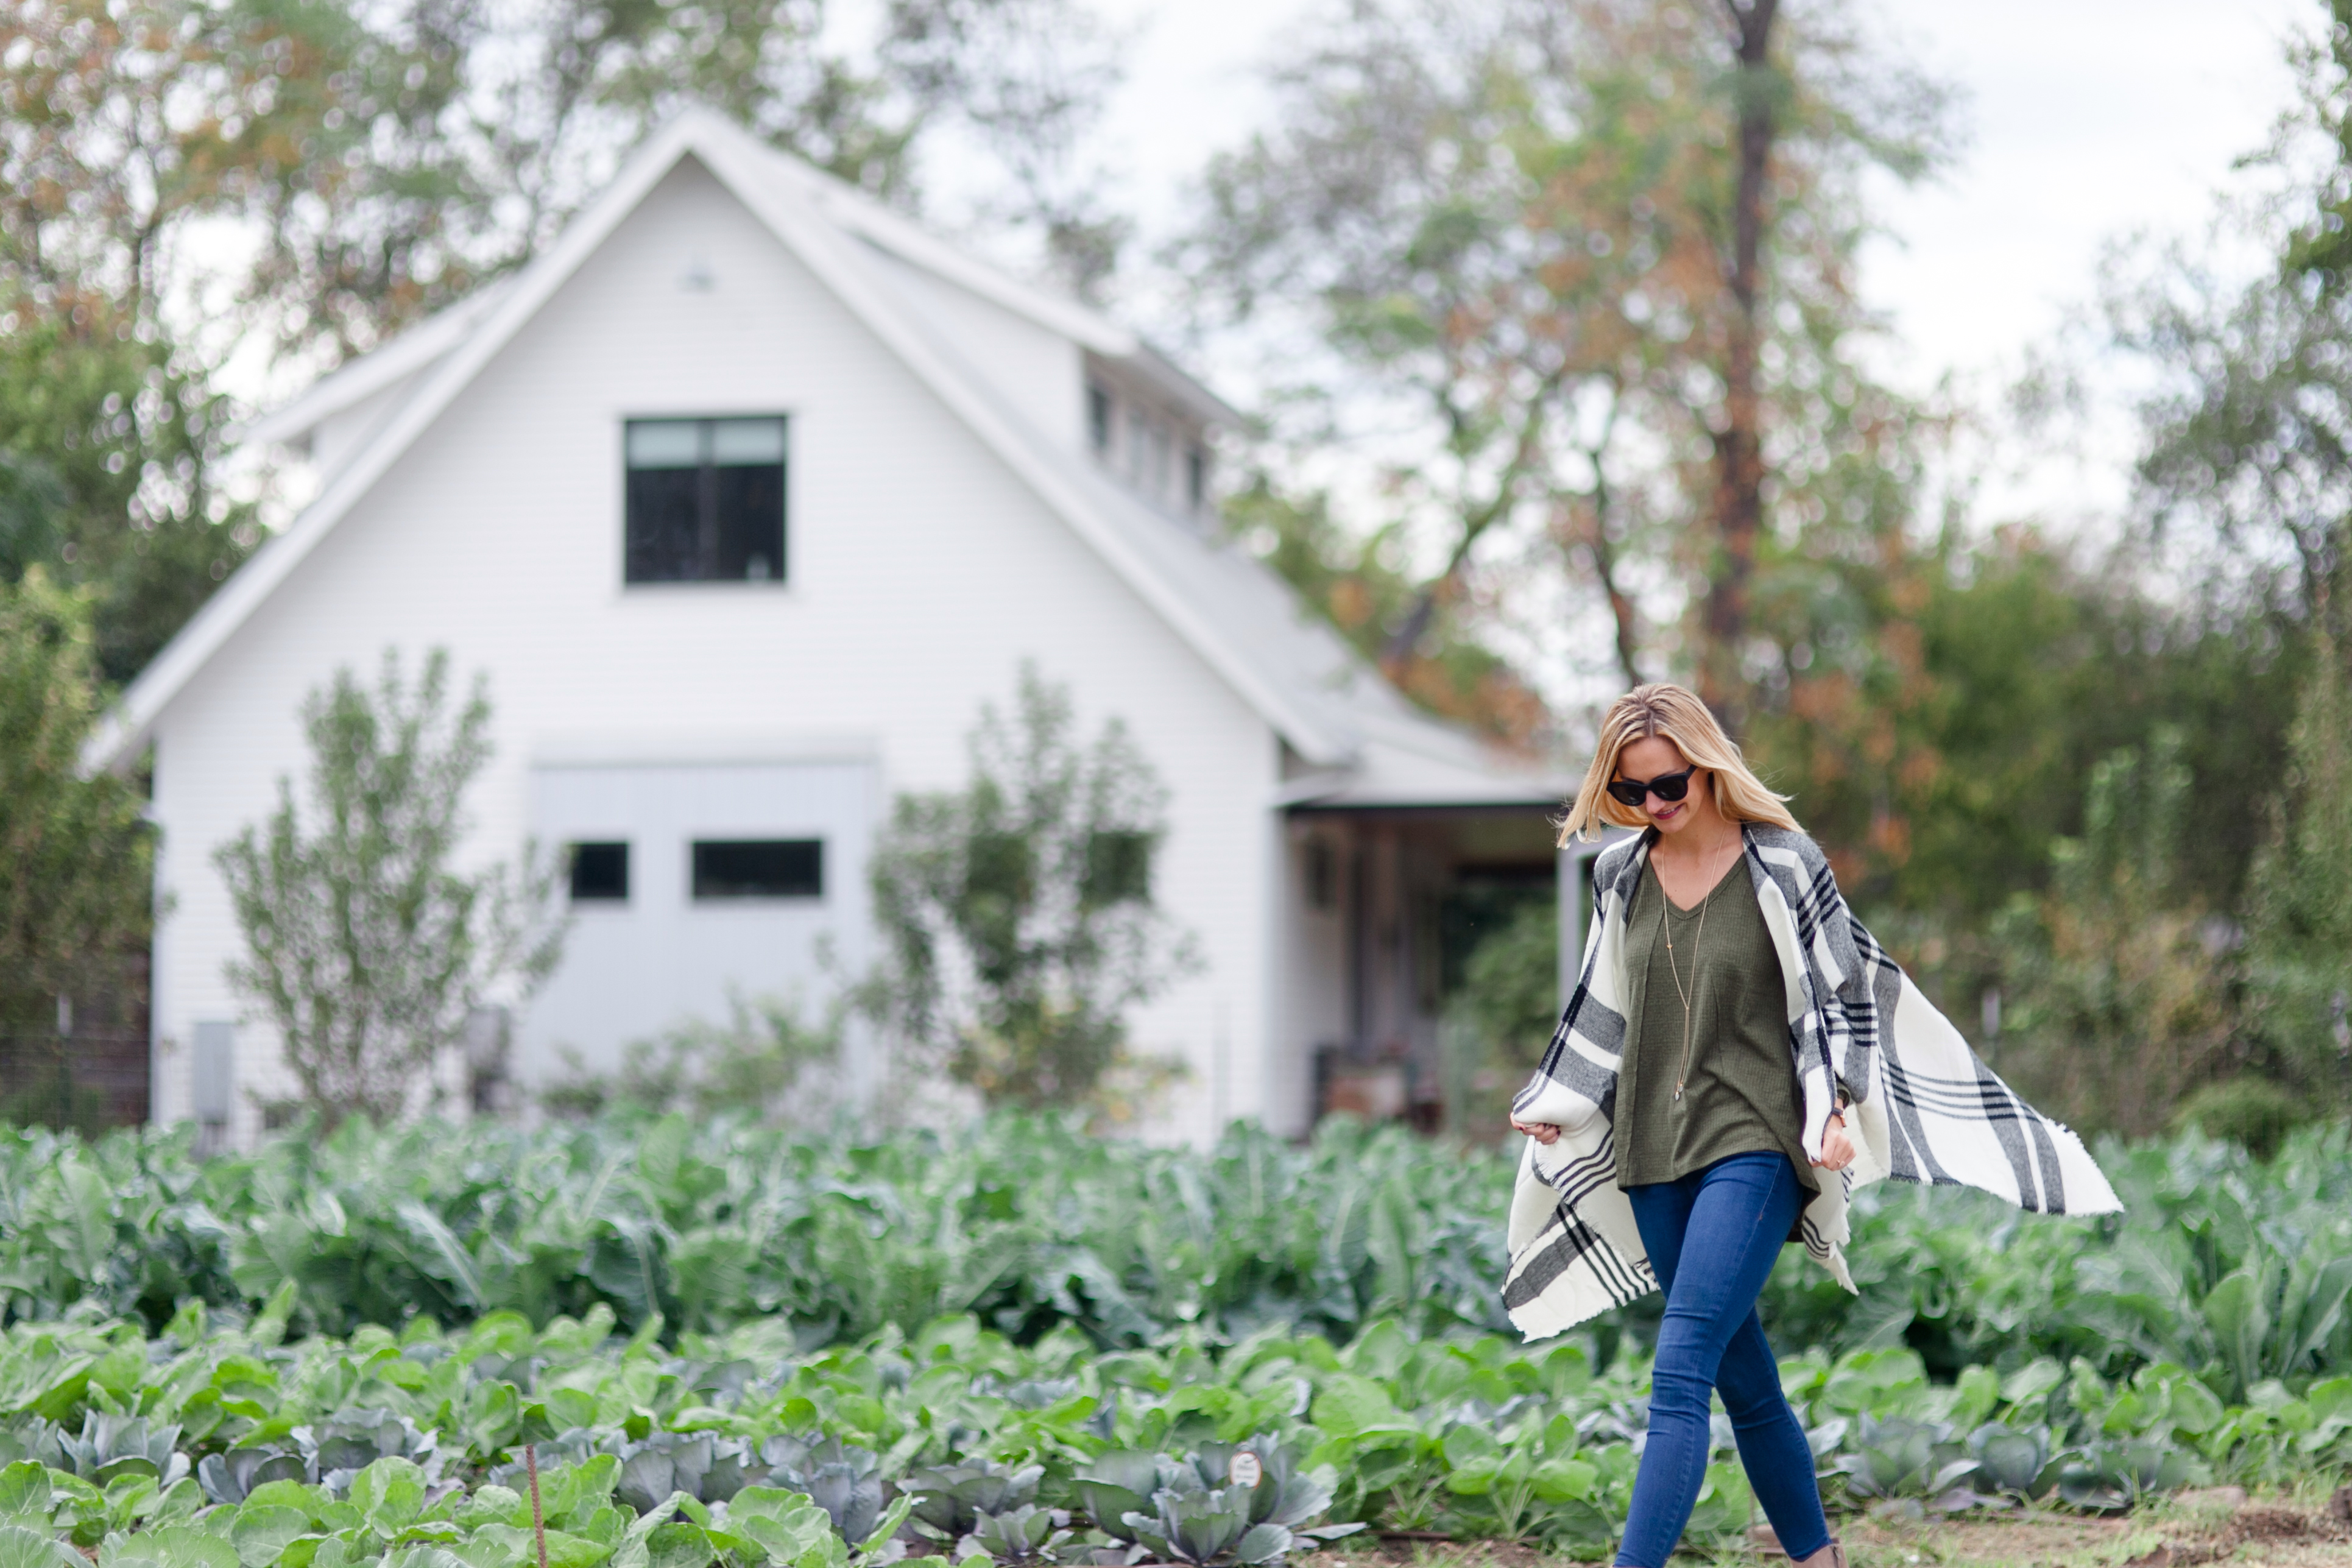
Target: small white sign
<point>1246,1470</point>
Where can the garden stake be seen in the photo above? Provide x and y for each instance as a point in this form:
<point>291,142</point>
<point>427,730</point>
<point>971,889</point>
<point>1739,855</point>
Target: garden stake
<point>538,1520</point>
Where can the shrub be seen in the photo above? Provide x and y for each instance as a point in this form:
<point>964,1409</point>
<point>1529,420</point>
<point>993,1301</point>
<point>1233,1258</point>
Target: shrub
<point>2253,1113</point>
<point>1017,914</point>
<point>362,943</point>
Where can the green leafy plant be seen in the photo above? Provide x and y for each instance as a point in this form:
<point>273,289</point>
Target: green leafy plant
<point>1017,914</point>
<point>1206,1527</point>
<point>362,944</point>
<point>1024,1534</point>
<point>949,1500</point>
<point>1895,1457</point>
<point>76,859</point>
<point>110,1447</point>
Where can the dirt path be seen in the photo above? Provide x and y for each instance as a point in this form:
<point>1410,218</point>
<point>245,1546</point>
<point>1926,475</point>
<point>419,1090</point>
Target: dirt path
<point>2218,1526</point>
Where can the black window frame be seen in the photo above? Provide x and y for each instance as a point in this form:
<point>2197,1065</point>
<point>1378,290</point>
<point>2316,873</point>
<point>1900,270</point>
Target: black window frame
<point>711,879</point>
<point>575,860</point>
<point>688,523</point>
<point>1100,413</point>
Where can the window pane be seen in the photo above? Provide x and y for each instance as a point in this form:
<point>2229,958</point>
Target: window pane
<point>1099,420</point>
<point>750,504</point>
<point>747,441</point>
<point>600,872</point>
<point>665,543</point>
<point>1118,869</point>
<point>665,443</point>
<point>759,868</point>
<point>705,500</point>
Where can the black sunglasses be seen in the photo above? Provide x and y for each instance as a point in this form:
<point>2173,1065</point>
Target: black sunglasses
<point>1668,787</point>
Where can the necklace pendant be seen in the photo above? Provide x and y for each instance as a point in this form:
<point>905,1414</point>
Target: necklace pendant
<point>1678,1091</point>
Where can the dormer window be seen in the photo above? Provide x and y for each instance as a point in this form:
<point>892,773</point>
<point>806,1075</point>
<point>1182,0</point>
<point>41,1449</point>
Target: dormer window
<point>705,500</point>
<point>1099,419</point>
<point>1152,446</point>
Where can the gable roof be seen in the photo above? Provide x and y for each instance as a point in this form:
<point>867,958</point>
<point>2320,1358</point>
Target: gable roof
<point>1297,673</point>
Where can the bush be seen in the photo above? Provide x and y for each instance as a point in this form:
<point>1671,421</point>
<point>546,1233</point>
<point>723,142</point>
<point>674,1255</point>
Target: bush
<point>2253,1113</point>
<point>363,943</point>
<point>751,1066</point>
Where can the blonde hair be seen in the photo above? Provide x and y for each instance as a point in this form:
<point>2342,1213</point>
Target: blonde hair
<point>1674,714</point>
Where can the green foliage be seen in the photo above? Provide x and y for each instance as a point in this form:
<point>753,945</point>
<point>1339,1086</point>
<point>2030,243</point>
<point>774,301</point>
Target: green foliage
<point>2299,936</point>
<point>1500,1010</point>
<point>1025,1221</point>
<point>75,858</point>
<point>752,1065</point>
<point>1359,584</point>
<point>1510,985</point>
<point>2119,990</point>
<point>2202,1336</point>
<point>109,444</point>
<point>679,1228</point>
<point>2252,1111</point>
<point>1017,913</point>
<point>2221,1262</point>
<point>1519,233</point>
<point>362,944</point>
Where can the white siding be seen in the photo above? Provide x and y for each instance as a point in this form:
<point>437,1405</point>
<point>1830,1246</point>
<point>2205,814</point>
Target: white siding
<point>921,575</point>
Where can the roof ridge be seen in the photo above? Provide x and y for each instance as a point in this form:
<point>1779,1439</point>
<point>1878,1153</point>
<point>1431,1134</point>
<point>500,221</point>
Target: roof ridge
<point>826,248</point>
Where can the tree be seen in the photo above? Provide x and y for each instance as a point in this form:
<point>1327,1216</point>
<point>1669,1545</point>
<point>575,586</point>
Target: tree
<point>111,446</point>
<point>2246,476</point>
<point>1354,581</point>
<point>2299,936</point>
<point>386,161</point>
<point>364,945</point>
<point>2117,987</point>
<point>1603,259</point>
<point>1030,80</point>
<point>1017,913</point>
<point>76,859</point>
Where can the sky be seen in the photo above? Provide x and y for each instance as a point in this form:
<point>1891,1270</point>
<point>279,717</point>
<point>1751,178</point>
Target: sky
<point>2085,122</point>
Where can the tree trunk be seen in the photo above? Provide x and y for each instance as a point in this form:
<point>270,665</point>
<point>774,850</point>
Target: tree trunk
<point>1738,444</point>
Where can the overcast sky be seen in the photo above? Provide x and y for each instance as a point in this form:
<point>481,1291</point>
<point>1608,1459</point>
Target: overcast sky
<point>2086,121</point>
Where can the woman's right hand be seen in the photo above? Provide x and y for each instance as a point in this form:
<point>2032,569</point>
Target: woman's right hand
<point>1544,1132</point>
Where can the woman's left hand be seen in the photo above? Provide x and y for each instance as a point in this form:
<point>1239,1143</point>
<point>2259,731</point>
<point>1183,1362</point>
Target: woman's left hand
<point>1837,1149</point>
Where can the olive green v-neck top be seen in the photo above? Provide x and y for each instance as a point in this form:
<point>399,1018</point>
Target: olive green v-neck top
<point>1741,1092</point>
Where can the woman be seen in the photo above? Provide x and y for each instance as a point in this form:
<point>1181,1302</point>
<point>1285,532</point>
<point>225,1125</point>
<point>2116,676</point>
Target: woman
<point>1738,1055</point>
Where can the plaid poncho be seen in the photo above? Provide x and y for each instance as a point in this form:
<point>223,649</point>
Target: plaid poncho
<point>1924,1108</point>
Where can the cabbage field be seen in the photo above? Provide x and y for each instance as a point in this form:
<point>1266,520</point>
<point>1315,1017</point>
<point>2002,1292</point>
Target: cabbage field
<point>741,1345</point>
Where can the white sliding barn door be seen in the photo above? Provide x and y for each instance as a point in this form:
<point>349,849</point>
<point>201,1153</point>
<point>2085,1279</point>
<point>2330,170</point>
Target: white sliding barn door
<point>735,877</point>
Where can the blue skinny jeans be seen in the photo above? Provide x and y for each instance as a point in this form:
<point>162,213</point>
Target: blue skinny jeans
<point>1713,1238</point>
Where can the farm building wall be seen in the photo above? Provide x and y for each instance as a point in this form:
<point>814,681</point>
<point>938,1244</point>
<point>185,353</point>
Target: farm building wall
<point>921,575</point>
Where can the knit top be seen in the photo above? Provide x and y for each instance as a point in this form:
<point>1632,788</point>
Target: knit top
<point>1740,1093</point>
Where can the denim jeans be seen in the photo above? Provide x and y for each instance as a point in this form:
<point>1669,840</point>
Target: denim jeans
<point>1713,1238</point>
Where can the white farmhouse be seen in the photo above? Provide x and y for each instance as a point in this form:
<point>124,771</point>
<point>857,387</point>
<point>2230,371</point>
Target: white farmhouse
<point>745,494</point>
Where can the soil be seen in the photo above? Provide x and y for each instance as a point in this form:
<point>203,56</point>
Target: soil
<point>2220,1525</point>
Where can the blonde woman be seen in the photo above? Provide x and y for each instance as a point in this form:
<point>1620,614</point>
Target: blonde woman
<point>1738,1055</point>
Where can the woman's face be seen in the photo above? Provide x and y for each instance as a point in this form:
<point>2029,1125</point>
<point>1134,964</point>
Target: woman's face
<point>1647,759</point>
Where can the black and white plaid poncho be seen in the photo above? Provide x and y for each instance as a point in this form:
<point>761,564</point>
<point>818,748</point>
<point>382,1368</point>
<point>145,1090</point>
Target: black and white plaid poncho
<point>1924,1108</point>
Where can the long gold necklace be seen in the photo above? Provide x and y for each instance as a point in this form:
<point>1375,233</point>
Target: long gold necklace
<point>1688,993</point>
